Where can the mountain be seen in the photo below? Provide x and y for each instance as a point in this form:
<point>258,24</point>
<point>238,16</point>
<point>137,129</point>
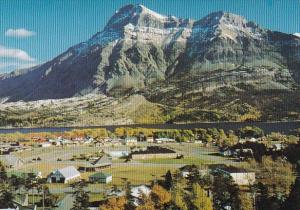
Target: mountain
<point>174,62</point>
<point>297,34</point>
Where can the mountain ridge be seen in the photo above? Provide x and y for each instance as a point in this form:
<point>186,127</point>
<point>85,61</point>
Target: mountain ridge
<point>142,52</point>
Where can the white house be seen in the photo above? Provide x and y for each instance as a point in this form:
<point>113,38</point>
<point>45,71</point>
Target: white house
<point>239,176</point>
<point>130,141</point>
<point>278,147</point>
<point>164,140</point>
<point>253,139</point>
<point>118,154</point>
<point>64,175</point>
<point>45,144</point>
<point>150,139</point>
<point>227,153</point>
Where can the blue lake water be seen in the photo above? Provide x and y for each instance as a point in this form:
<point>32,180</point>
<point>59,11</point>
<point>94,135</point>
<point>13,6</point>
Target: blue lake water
<point>283,127</point>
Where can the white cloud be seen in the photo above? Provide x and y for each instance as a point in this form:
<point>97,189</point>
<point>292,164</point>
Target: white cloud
<point>19,33</point>
<point>297,34</point>
<point>15,53</point>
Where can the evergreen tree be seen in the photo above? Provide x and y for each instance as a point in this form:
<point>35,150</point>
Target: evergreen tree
<point>6,196</point>
<point>262,198</point>
<point>168,180</point>
<point>3,174</point>
<point>81,196</point>
<point>293,201</point>
<point>225,193</point>
<point>194,175</point>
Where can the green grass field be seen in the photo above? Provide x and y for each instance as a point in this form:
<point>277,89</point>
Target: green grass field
<point>186,160</point>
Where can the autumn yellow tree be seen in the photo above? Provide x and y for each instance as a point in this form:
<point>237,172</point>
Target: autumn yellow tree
<point>276,174</point>
<point>160,196</point>
<point>178,198</point>
<point>147,203</point>
<point>115,204</point>
<point>200,200</point>
<point>246,201</point>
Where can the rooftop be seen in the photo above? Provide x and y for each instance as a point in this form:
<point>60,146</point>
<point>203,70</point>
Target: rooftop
<point>101,161</point>
<point>101,175</point>
<point>69,171</point>
<point>154,150</point>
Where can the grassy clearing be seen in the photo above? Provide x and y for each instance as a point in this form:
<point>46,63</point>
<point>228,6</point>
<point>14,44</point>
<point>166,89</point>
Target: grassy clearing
<point>96,197</point>
<point>186,160</point>
<point>137,174</point>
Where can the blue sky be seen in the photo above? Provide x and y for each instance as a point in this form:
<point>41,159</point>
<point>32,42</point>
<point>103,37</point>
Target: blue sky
<point>35,31</point>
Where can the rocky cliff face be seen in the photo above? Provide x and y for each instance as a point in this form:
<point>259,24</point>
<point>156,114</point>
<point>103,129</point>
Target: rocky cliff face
<point>139,48</point>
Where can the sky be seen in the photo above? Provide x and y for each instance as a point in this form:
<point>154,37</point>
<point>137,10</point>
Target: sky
<point>35,31</point>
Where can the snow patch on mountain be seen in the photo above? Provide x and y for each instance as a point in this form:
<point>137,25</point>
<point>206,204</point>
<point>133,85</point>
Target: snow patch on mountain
<point>297,34</point>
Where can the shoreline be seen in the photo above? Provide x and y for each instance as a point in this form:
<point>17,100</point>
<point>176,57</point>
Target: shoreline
<point>268,127</point>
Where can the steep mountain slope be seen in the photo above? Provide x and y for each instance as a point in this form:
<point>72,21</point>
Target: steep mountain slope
<point>171,61</point>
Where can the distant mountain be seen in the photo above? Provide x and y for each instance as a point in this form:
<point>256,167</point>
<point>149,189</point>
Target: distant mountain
<point>139,46</point>
<point>297,34</point>
<point>142,52</point>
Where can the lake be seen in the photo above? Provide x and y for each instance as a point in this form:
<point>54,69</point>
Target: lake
<point>283,127</point>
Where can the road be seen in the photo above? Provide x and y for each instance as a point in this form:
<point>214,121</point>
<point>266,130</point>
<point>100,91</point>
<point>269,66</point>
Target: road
<point>66,203</point>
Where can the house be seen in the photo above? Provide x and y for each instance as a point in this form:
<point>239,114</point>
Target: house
<point>243,154</point>
<point>11,161</point>
<point>18,207</point>
<point>130,141</point>
<point>64,175</point>
<point>96,165</point>
<point>153,152</point>
<point>187,169</point>
<point>164,140</point>
<point>253,140</point>
<point>88,140</point>
<point>110,143</point>
<point>55,142</point>
<point>118,154</point>
<point>45,144</point>
<point>101,178</point>
<point>277,147</point>
<point>150,139</point>
<point>20,202</point>
<point>227,153</point>
<point>239,176</point>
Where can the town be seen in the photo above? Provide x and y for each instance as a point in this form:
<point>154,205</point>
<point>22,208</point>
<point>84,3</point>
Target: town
<point>139,168</point>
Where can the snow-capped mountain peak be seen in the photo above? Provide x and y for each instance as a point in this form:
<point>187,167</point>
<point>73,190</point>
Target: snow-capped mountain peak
<point>297,34</point>
<point>134,14</point>
<point>227,25</point>
<point>139,47</point>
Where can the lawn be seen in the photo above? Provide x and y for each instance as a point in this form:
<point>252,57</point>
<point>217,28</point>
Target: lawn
<point>138,174</point>
<point>186,160</point>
